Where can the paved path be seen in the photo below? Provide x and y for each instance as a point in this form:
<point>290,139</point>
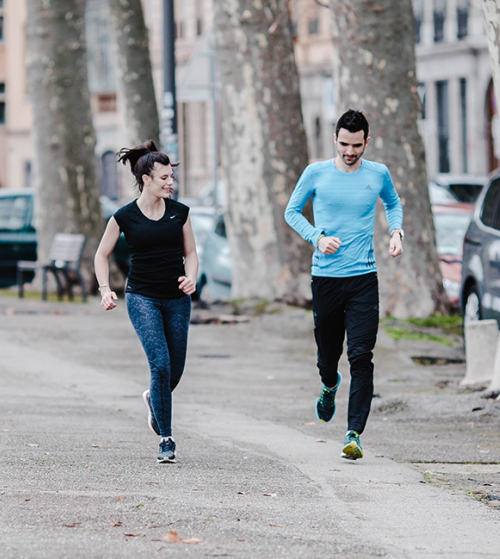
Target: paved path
<point>257,475</point>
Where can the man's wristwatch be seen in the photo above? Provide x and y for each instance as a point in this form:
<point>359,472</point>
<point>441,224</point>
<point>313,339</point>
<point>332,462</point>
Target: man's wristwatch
<point>400,231</point>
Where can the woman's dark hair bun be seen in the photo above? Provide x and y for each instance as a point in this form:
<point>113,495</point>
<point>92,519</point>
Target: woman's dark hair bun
<point>142,160</point>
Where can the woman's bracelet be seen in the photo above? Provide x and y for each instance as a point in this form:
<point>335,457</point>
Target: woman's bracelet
<point>101,286</point>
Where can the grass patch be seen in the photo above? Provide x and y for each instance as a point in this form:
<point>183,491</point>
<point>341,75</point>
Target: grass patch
<point>36,295</point>
<point>405,334</point>
<point>450,324</point>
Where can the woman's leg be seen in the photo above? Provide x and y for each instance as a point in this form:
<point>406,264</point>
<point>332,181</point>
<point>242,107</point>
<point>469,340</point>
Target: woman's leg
<point>176,316</point>
<point>147,318</point>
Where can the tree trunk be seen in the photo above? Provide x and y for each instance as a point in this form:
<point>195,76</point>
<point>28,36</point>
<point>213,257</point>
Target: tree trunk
<point>135,71</point>
<point>264,145</point>
<point>66,184</point>
<point>375,63</point>
<point>491,9</point>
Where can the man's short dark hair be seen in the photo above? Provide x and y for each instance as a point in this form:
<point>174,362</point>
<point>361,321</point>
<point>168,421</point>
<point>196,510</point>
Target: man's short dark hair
<point>353,121</point>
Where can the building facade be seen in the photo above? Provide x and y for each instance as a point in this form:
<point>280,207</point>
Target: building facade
<point>459,113</point>
<point>453,68</point>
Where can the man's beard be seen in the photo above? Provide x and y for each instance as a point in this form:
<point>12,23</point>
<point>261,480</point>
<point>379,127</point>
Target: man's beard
<point>352,160</point>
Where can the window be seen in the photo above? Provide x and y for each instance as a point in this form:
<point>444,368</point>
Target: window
<point>199,17</point>
<point>109,176</point>
<point>28,174</point>
<point>490,205</point>
<point>462,19</point>
<point>418,10</point>
<point>439,19</point>
<point>443,126</point>
<point>2,103</point>
<point>1,28</point>
<point>313,27</point>
<point>14,213</point>
<point>463,118</point>
<point>100,52</point>
<point>421,95</point>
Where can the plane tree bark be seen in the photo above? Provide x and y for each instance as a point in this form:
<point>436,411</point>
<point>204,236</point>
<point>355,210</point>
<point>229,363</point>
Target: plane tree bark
<point>67,191</point>
<point>263,146</point>
<point>491,9</point>
<point>135,71</point>
<point>374,65</point>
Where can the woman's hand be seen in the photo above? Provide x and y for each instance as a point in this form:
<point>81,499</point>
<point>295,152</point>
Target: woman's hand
<point>108,300</point>
<point>187,285</point>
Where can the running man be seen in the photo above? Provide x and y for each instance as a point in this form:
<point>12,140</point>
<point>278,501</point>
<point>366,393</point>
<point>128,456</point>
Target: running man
<point>344,194</point>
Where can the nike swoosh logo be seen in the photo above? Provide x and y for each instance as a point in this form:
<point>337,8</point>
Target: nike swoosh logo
<point>172,216</point>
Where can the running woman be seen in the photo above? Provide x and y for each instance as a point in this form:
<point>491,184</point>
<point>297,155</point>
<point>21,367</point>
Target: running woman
<point>161,280</point>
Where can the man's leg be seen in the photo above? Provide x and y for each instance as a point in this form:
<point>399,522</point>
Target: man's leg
<point>329,326</point>
<point>329,333</point>
<point>362,316</point>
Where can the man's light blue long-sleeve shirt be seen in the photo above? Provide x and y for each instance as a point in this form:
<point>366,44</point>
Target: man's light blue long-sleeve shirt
<point>344,207</point>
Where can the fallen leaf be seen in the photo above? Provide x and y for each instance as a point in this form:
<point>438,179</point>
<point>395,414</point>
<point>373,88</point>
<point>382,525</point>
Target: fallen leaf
<point>133,535</point>
<point>276,525</point>
<point>309,423</point>
<point>172,537</point>
<point>96,445</point>
<point>320,441</point>
<point>240,492</point>
<point>270,495</point>
<point>113,523</point>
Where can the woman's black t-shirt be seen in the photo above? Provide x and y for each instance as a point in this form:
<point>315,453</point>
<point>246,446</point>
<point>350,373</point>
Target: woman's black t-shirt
<point>156,249</point>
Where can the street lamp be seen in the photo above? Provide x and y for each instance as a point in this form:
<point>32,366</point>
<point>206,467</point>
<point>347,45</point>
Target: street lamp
<point>168,134</point>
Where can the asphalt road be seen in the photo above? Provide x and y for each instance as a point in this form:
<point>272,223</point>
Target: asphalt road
<point>257,475</point>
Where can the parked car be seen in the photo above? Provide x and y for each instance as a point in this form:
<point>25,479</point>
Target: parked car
<point>215,275</point>
<point>451,222</point>
<point>480,285</point>
<point>462,188</point>
<point>18,234</point>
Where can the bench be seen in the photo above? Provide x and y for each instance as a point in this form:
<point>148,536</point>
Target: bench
<point>64,263</point>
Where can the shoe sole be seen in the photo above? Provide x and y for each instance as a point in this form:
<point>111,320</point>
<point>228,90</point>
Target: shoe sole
<point>166,461</point>
<point>352,451</point>
<point>150,415</point>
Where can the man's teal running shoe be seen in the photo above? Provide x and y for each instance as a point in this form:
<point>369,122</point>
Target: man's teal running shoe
<point>352,449</point>
<point>325,404</point>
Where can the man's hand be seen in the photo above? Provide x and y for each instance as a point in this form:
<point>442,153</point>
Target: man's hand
<point>329,245</point>
<point>396,245</point>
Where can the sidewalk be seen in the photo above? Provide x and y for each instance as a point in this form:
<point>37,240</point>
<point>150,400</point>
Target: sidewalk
<point>257,475</point>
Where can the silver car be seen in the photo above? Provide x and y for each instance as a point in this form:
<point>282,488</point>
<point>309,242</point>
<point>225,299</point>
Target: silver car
<point>480,285</point>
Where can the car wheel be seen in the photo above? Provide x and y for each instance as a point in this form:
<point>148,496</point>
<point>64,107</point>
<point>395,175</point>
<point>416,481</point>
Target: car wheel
<point>472,307</point>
